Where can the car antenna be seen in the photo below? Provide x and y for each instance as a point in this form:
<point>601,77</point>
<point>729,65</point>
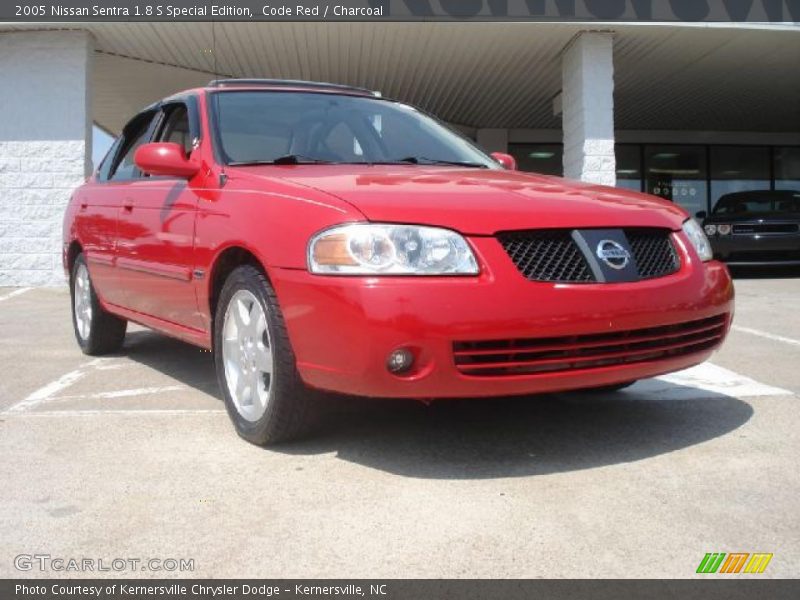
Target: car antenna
<point>223,177</point>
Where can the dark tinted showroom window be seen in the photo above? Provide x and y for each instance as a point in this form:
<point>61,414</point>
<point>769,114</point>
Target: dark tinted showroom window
<point>538,158</point>
<point>629,166</point>
<point>135,135</point>
<point>677,173</point>
<point>738,169</point>
<point>787,168</point>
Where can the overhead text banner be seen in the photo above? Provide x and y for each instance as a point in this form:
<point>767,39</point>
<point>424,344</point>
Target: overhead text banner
<point>38,11</point>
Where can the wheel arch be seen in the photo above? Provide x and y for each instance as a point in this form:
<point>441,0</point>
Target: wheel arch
<point>226,261</point>
<point>73,250</point>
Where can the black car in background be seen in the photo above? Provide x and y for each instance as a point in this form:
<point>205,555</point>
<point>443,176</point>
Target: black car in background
<point>755,228</point>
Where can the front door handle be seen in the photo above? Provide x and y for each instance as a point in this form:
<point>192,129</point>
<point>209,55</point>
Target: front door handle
<point>127,205</point>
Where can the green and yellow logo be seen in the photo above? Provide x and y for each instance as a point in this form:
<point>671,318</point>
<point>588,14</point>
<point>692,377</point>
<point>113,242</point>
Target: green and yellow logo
<point>734,562</point>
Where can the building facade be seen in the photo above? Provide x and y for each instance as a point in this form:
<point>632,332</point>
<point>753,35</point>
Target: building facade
<point>687,112</point>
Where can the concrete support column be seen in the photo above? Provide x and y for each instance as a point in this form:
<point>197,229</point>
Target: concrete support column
<point>587,105</point>
<point>45,147</point>
<point>493,140</point>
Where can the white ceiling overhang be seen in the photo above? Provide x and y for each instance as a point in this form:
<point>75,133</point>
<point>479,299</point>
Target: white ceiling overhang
<point>505,75</point>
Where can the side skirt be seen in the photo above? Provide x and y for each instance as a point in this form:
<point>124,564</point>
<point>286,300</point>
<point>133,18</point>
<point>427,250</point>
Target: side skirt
<point>196,337</point>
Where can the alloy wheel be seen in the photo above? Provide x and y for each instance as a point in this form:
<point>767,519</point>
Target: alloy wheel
<point>247,355</point>
<point>83,302</point>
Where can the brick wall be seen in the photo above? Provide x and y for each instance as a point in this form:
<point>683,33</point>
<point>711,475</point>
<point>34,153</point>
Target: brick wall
<point>45,148</point>
<point>588,109</point>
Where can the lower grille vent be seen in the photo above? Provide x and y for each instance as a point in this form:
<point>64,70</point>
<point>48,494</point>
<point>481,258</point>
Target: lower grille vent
<point>555,354</point>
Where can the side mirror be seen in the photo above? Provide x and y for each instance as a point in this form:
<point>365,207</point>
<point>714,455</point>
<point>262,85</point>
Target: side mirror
<point>701,214</point>
<point>164,158</point>
<point>508,161</point>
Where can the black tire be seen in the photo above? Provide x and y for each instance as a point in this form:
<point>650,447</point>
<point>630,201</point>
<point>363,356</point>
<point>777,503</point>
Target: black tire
<point>615,387</point>
<point>106,331</point>
<point>290,408</point>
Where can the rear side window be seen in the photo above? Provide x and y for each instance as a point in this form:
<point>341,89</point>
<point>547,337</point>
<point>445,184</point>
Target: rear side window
<point>135,134</point>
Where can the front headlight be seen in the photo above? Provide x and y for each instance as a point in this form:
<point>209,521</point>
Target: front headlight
<point>698,238</point>
<point>385,249</point>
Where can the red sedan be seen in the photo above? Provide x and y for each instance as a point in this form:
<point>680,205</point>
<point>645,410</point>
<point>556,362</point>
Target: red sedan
<point>320,237</point>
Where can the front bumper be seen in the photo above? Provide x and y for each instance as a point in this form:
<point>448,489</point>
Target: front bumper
<point>757,249</point>
<point>342,329</point>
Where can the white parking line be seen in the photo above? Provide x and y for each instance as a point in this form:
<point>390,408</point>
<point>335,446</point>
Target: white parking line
<point>766,334</point>
<point>14,293</point>
<point>45,393</point>
<point>133,412</point>
<point>148,391</point>
<point>704,381</point>
<point>700,382</point>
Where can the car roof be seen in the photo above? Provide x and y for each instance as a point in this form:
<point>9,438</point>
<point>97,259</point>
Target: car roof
<point>289,85</point>
<point>284,85</point>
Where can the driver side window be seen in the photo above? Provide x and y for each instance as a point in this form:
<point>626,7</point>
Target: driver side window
<point>176,128</point>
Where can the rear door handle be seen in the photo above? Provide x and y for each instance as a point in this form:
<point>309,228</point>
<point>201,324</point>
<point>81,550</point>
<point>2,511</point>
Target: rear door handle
<point>127,205</point>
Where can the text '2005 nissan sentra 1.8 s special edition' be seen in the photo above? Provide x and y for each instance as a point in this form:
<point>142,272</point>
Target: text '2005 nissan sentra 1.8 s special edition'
<point>320,237</point>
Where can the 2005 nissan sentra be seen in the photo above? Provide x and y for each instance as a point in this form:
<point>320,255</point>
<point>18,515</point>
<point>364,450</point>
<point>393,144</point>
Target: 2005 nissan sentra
<point>320,237</point>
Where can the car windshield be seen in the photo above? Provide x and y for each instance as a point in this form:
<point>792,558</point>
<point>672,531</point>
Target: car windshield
<point>274,127</point>
<point>758,202</point>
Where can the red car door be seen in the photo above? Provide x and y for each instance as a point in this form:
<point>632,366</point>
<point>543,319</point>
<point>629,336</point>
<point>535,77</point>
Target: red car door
<point>99,205</point>
<point>155,234</point>
<point>96,224</point>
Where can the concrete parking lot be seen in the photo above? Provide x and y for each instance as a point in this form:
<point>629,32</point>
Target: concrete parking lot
<point>132,456</point>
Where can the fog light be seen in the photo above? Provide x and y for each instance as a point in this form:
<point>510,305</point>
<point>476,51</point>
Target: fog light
<point>400,361</point>
<point>724,229</point>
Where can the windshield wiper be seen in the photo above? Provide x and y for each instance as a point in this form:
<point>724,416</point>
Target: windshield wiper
<point>424,160</point>
<point>300,159</point>
<point>288,159</point>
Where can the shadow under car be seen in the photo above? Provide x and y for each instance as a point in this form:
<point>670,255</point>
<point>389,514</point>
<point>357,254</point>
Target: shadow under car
<point>483,438</point>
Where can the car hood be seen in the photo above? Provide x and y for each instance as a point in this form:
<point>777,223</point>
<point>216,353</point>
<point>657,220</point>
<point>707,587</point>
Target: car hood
<point>476,201</point>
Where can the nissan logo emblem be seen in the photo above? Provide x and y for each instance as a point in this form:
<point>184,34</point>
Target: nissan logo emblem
<point>613,254</point>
